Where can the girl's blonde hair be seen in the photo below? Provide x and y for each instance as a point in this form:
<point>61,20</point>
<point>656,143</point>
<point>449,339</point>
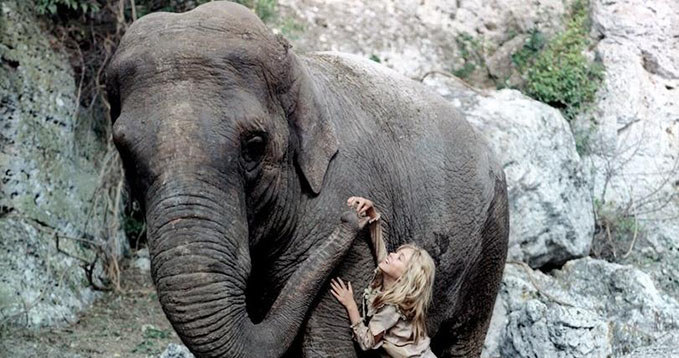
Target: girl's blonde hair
<point>412,291</point>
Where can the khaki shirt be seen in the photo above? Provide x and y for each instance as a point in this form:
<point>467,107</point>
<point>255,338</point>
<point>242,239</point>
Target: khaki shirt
<point>397,329</point>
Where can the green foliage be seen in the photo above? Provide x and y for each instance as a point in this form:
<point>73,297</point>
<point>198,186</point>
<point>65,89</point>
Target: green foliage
<point>79,6</point>
<point>149,344</point>
<point>375,58</point>
<point>265,9</point>
<point>561,75</point>
<point>144,7</point>
<point>153,333</point>
<point>134,225</point>
<point>530,50</point>
<point>471,51</point>
<point>291,28</point>
<point>147,347</point>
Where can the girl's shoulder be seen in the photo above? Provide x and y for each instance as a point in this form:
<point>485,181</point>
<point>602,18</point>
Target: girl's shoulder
<point>391,308</point>
<point>370,293</point>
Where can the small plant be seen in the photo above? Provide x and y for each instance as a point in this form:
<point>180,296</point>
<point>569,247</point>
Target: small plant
<point>561,75</point>
<point>530,50</point>
<point>144,7</point>
<point>616,232</point>
<point>291,28</point>
<point>471,52</point>
<point>375,58</point>
<point>265,9</point>
<point>150,335</point>
<point>135,229</point>
<point>146,347</point>
<point>153,333</point>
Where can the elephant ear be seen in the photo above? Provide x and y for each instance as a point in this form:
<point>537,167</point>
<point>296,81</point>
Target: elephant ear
<point>310,118</point>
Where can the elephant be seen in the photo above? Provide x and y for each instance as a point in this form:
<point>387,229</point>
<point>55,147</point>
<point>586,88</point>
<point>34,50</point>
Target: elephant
<point>242,154</point>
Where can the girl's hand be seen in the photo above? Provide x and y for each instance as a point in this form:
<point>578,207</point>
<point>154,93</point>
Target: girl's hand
<point>343,293</point>
<point>364,206</point>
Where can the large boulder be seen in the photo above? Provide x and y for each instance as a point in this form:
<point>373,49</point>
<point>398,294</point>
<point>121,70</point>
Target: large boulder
<point>589,308</point>
<point>415,37</point>
<point>49,178</point>
<point>633,133</point>
<point>551,215</point>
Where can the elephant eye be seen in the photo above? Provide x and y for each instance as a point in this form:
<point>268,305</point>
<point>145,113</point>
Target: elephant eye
<point>253,150</point>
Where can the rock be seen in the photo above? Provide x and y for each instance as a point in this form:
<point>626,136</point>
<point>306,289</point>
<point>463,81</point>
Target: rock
<point>638,313</point>
<point>176,351</point>
<point>414,37</point>
<point>142,260</point>
<point>500,64</point>
<point>658,255</point>
<point>49,178</point>
<point>666,347</point>
<point>589,308</point>
<point>633,129</point>
<point>541,330</point>
<point>491,346</point>
<point>551,216</point>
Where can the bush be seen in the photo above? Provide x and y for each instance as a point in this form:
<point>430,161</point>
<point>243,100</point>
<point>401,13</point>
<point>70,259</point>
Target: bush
<point>616,232</point>
<point>530,50</point>
<point>471,51</point>
<point>265,9</point>
<point>79,6</point>
<point>561,75</point>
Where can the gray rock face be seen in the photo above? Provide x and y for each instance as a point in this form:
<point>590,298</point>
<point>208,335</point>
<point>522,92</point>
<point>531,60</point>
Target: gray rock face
<point>634,127</point>
<point>414,37</point>
<point>551,217</point>
<point>541,330</point>
<point>589,308</point>
<point>48,178</point>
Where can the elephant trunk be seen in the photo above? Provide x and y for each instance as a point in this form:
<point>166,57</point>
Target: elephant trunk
<point>200,264</point>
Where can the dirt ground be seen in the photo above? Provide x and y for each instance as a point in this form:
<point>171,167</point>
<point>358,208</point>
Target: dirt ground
<point>125,324</point>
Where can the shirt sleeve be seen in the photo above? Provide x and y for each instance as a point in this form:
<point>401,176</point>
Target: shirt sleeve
<point>377,236</point>
<point>382,321</point>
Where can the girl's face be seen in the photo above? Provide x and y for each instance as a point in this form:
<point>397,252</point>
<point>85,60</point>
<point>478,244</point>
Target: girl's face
<point>395,263</point>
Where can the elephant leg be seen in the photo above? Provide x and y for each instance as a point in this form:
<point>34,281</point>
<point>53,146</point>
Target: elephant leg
<point>463,334</point>
<point>327,332</point>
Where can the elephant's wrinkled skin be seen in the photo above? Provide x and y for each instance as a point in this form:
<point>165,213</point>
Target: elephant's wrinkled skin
<point>242,154</point>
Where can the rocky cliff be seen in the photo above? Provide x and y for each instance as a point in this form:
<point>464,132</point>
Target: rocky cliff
<point>53,167</point>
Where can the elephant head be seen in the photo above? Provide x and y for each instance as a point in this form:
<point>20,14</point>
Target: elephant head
<point>217,123</point>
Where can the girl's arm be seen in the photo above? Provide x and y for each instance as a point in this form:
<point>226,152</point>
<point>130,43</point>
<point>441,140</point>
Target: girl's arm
<point>345,295</point>
<point>366,207</point>
<point>362,334</point>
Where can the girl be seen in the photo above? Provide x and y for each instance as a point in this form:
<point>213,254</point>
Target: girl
<point>396,301</point>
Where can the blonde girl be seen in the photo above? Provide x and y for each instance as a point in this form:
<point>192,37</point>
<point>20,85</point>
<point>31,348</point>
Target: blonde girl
<point>396,301</point>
